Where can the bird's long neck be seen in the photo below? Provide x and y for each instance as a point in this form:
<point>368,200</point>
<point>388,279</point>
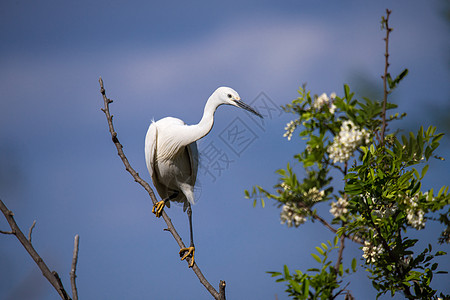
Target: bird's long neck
<point>197,131</point>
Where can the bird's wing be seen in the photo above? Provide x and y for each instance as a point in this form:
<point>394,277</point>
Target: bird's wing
<point>150,147</point>
<point>151,144</point>
<point>187,187</point>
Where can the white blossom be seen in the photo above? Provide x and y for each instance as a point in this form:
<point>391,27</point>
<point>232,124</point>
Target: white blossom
<point>414,215</point>
<point>371,253</point>
<point>314,195</point>
<point>415,218</point>
<point>324,100</point>
<point>339,208</point>
<point>285,186</point>
<point>320,101</point>
<point>347,141</point>
<point>385,212</point>
<point>290,127</point>
<point>290,215</point>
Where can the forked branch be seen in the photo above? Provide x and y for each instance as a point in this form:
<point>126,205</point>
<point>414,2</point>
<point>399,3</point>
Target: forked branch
<point>51,276</point>
<point>217,295</point>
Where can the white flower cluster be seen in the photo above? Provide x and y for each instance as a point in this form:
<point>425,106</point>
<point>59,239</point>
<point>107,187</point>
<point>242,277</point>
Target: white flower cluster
<point>314,195</point>
<point>339,208</point>
<point>347,141</point>
<point>290,215</point>
<point>323,100</point>
<point>290,127</point>
<point>285,186</point>
<point>371,253</point>
<point>385,212</point>
<point>414,215</point>
<point>319,102</point>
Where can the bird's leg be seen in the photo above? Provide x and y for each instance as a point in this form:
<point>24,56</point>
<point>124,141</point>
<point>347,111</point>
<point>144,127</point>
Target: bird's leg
<point>159,206</point>
<point>191,249</point>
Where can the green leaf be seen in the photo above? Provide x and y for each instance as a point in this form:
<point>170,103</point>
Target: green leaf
<point>316,257</point>
<point>430,195</point>
<point>287,275</point>
<point>274,274</point>
<point>324,246</point>
<point>424,171</point>
<point>319,250</point>
<point>306,288</point>
<point>354,264</point>
<point>440,191</point>
<point>347,91</point>
<point>313,270</point>
<point>295,286</point>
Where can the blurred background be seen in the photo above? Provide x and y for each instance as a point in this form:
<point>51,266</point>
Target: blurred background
<point>59,167</point>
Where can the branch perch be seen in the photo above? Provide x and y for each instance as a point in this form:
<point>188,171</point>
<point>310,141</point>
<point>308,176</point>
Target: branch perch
<point>217,295</point>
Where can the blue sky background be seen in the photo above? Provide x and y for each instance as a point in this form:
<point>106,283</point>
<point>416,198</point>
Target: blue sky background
<point>59,167</point>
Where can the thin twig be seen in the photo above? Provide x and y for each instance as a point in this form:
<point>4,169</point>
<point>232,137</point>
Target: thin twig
<point>386,66</point>
<point>341,250</point>
<point>73,270</point>
<point>354,238</point>
<point>52,277</point>
<point>31,230</point>
<point>222,286</point>
<point>149,190</point>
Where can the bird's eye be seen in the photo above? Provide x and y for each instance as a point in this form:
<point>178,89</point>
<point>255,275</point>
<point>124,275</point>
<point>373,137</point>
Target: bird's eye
<point>229,96</point>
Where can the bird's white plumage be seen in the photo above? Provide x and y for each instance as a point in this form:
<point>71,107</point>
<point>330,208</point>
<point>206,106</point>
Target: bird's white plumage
<point>173,167</point>
<point>172,157</point>
<point>171,150</point>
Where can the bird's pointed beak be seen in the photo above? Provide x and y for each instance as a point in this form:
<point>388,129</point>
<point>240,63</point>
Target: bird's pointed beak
<point>247,107</point>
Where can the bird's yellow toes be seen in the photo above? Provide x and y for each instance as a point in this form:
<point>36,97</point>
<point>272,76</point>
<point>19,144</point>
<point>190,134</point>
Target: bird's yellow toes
<point>158,208</point>
<point>188,252</point>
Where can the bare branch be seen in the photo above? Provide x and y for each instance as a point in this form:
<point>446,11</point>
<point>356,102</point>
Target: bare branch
<point>222,286</point>
<point>341,250</point>
<point>149,190</point>
<point>52,277</point>
<point>386,66</point>
<point>354,238</point>
<point>31,230</point>
<point>73,270</point>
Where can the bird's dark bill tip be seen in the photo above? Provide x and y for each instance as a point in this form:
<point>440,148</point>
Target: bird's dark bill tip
<point>248,108</point>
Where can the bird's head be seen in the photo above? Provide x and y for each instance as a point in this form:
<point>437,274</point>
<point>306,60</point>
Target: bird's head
<point>229,96</point>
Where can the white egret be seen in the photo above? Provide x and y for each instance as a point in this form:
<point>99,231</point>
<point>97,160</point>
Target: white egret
<point>172,157</point>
